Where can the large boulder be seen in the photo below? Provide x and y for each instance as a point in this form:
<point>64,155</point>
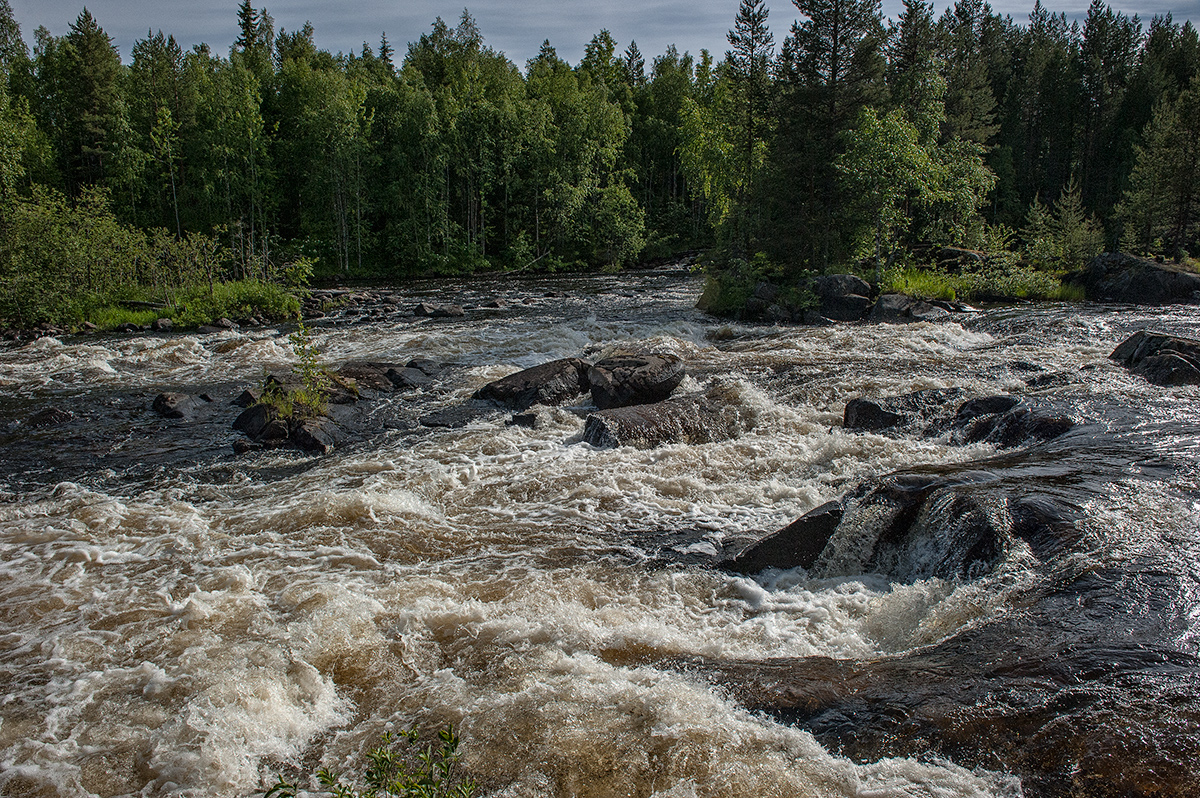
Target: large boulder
<point>553,383</point>
<point>688,419</point>
<point>1160,358</point>
<point>634,379</point>
<point>843,297</point>
<point>1117,277</point>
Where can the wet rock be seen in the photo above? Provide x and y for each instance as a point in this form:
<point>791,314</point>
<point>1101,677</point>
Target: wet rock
<point>683,420</point>
<point>248,397</point>
<point>162,325</point>
<point>438,311</point>
<point>840,285</point>
<point>254,419</point>
<point>634,379</point>
<point>406,378</point>
<point>128,327</point>
<point>924,409</point>
<point>314,435</point>
<point>1169,369</point>
<point>1014,427</point>
<point>174,405</point>
<point>985,406</point>
<point>796,545</point>
<point>431,368</point>
<point>913,526</point>
<point>49,417</point>
<point>1160,358</point>
<point>244,445</point>
<point>553,383</point>
<point>1117,277</point>
<point>276,430</point>
<point>369,375</point>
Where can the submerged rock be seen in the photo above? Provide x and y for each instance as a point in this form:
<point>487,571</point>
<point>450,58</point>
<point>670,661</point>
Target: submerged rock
<point>49,417</point>
<point>174,405</point>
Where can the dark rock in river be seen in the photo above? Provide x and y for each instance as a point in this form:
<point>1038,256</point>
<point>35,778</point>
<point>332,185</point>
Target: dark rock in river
<point>438,311</point>
<point>1117,277</point>
<point>49,417</point>
<point>254,419</point>
<point>796,545</point>
<point>1160,358</point>
<point>553,383</point>
<point>174,405</point>
<point>315,435</point>
<point>162,325</point>
<point>369,375</point>
<point>248,397</point>
<point>687,419</point>
<point>634,379</point>
<point>843,297</point>
<point>406,378</point>
<point>1002,420</point>
<point>907,410</point>
<point>459,416</point>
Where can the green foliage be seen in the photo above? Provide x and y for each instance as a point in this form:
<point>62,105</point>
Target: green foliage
<point>310,400</point>
<point>398,768</point>
<point>1063,238</point>
<point>922,283</point>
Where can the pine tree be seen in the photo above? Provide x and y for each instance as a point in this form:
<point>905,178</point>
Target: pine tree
<point>1161,209</point>
<point>748,65</point>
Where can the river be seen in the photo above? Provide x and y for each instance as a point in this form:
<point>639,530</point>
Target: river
<point>176,620</point>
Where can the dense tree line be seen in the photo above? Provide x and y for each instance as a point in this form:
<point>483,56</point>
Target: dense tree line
<point>857,140</point>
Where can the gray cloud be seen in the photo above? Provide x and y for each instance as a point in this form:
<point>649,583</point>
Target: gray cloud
<point>515,28</point>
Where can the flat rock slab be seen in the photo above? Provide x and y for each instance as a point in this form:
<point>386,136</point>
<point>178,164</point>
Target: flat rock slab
<point>634,379</point>
<point>553,383</point>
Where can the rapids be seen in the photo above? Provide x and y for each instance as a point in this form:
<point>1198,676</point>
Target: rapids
<point>179,621</point>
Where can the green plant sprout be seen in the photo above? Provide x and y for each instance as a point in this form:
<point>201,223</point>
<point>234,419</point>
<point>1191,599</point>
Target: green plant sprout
<point>393,771</point>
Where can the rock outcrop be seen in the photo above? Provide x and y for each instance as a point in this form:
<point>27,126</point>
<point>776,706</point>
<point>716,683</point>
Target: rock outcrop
<point>1117,277</point>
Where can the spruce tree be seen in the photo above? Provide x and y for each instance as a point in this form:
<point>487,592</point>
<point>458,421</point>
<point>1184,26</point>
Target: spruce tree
<point>748,63</point>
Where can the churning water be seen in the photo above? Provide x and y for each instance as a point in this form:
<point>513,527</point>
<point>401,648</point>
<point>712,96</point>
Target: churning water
<point>176,620</point>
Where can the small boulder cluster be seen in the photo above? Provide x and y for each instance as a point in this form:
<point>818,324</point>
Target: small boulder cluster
<point>632,394</point>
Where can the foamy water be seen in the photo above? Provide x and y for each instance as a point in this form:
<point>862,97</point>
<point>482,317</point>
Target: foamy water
<point>195,631</point>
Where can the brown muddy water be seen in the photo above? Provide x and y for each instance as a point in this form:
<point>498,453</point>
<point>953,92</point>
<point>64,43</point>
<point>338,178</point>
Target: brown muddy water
<point>179,621</point>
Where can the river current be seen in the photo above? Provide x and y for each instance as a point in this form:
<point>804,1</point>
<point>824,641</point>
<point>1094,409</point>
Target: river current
<point>178,620</point>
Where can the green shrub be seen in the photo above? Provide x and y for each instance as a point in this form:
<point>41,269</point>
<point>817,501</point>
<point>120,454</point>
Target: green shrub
<point>395,771</point>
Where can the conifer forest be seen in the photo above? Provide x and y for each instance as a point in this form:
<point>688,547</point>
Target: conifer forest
<point>845,141</point>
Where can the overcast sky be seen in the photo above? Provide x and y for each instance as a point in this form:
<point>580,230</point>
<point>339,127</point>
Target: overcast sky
<point>516,27</point>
